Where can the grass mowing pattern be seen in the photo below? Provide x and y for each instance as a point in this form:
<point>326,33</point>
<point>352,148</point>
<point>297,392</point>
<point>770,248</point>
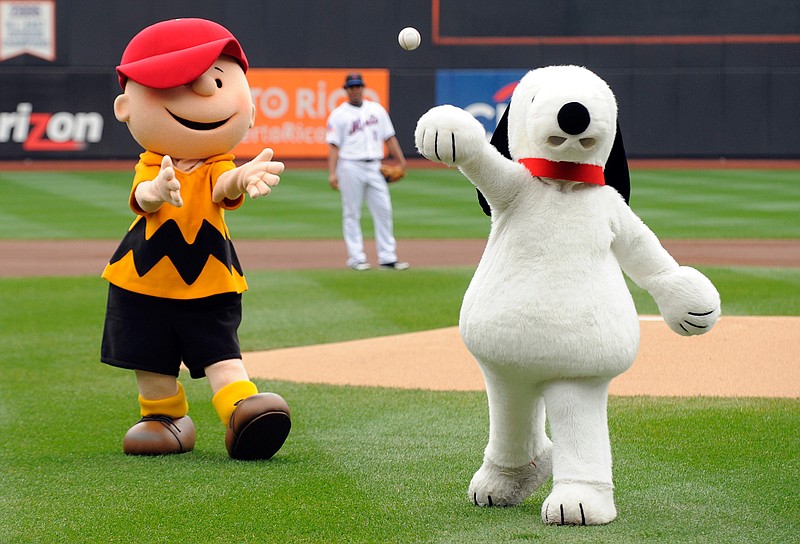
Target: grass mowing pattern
<point>368,464</point>
<point>375,465</point>
<point>436,203</point>
<point>361,464</point>
<point>718,203</point>
<point>297,308</point>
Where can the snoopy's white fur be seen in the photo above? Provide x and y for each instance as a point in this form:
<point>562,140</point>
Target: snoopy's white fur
<point>548,315</point>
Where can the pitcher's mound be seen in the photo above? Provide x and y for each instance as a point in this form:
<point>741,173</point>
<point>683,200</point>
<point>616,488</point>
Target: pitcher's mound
<point>742,356</point>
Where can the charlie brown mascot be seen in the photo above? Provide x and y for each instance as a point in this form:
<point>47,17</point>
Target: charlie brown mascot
<point>175,281</point>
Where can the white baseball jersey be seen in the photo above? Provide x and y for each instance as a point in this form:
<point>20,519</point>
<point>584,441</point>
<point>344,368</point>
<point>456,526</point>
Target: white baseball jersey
<point>359,132</point>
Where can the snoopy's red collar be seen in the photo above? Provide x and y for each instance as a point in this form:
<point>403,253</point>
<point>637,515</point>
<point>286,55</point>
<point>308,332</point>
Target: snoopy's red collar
<point>570,171</point>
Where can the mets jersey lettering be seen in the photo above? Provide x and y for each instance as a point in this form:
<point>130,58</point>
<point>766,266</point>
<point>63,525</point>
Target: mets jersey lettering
<point>362,124</point>
<point>359,132</point>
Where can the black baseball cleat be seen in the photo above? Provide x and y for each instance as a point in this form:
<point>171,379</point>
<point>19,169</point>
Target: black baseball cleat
<point>397,265</point>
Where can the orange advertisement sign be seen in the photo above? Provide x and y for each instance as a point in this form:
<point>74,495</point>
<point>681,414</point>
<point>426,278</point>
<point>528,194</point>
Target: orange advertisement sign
<point>292,107</point>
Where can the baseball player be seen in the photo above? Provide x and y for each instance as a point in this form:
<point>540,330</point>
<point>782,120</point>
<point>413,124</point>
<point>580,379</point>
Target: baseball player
<point>356,133</point>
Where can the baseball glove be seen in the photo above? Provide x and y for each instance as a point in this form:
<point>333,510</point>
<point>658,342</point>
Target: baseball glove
<point>392,173</point>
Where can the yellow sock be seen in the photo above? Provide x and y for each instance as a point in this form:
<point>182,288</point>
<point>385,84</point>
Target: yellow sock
<point>174,407</point>
<point>226,398</point>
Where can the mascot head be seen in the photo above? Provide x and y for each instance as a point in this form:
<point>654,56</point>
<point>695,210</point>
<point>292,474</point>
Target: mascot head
<point>566,116</point>
<point>562,114</point>
<point>185,92</point>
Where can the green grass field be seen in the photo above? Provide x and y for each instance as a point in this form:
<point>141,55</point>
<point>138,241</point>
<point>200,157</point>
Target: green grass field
<point>367,465</point>
<point>437,203</point>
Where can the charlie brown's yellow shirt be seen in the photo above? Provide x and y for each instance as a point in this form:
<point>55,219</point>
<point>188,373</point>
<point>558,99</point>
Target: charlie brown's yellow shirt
<point>179,253</point>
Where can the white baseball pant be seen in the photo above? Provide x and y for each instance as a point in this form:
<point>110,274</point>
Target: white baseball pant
<point>360,181</point>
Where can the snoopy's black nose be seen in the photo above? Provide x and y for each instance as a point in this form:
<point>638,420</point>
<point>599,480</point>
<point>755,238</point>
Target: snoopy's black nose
<point>573,118</point>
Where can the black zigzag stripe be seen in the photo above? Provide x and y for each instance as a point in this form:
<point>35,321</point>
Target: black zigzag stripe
<point>168,241</point>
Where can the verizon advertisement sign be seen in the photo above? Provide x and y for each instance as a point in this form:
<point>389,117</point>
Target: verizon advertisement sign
<point>60,116</point>
<point>50,131</point>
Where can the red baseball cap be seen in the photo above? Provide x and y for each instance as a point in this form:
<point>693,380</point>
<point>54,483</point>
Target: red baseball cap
<point>176,52</point>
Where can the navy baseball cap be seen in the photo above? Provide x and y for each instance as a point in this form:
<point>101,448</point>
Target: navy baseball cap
<point>353,80</point>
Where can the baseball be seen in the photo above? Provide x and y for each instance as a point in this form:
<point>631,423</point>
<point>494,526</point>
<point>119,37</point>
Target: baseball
<point>409,38</point>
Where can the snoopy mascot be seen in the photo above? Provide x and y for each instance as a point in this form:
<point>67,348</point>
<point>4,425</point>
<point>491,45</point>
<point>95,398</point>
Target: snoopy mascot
<point>548,315</point>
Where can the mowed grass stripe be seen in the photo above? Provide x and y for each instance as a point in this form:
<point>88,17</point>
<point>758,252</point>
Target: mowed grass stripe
<point>59,205</point>
<point>361,464</point>
<point>436,203</point>
<point>718,203</point>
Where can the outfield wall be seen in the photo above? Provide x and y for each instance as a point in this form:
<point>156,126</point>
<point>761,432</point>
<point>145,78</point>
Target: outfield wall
<point>693,79</point>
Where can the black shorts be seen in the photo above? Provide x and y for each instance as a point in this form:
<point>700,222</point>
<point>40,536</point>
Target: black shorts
<point>155,334</point>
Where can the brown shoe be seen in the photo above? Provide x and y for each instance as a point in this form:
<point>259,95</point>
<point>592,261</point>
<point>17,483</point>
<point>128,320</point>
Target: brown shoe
<point>258,427</point>
<point>160,435</point>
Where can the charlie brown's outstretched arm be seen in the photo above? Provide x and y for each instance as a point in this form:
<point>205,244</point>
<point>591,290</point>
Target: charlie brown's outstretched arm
<point>255,178</point>
<point>165,187</point>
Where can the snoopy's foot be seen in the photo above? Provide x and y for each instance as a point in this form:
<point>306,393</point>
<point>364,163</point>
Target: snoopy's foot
<point>494,485</point>
<point>579,503</point>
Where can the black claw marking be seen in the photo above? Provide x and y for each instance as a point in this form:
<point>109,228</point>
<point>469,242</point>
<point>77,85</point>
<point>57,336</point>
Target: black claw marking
<point>695,326</point>
<point>475,498</point>
<point>422,142</point>
<point>436,146</point>
<point>583,516</point>
<point>684,328</point>
<point>453,143</point>
<point>547,512</point>
<point>490,500</point>
<point>702,314</point>
<point>562,515</point>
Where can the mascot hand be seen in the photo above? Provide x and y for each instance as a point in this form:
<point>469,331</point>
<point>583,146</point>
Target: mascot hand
<point>449,135</point>
<point>688,301</point>
<point>258,176</point>
<point>151,195</point>
<point>167,185</point>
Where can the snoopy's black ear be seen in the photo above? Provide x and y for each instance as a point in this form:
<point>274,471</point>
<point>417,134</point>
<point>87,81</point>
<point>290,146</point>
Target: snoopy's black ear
<point>500,135</point>
<point>500,141</point>
<point>616,172</point>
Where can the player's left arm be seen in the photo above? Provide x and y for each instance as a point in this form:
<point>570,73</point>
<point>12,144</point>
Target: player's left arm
<point>396,152</point>
<point>255,178</point>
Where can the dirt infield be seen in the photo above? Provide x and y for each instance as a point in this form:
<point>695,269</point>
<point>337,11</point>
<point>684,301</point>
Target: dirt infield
<point>742,356</point>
